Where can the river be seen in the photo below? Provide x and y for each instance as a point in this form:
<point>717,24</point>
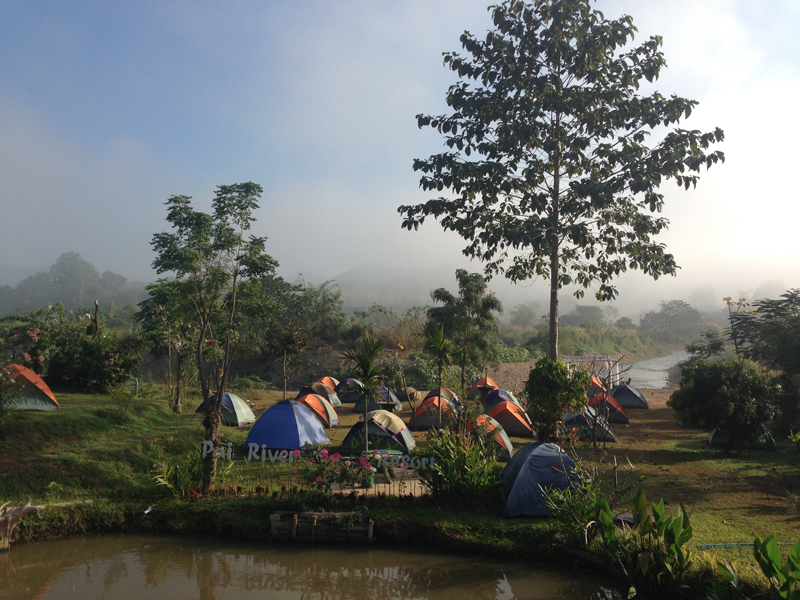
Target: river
<point>127,567</point>
<point>652,374</point>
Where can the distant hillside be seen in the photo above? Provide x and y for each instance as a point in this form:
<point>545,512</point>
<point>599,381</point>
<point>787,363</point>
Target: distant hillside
<point>74,282</point>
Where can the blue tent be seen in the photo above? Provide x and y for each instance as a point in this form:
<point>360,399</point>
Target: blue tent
<point>235,411</point>
<point>537,464</point>
<point>495,397</point>
<point>288,425</point>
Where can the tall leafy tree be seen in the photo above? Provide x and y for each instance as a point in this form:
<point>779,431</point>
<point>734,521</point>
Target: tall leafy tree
<point>468,319</point>
<point>211,257</point>
<point>548,167</point>
<point>441,350</point>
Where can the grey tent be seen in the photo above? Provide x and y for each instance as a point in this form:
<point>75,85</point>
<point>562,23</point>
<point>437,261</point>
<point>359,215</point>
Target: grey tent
<point>235,411</point>
<point>589,423</point>
<point>628,396</point>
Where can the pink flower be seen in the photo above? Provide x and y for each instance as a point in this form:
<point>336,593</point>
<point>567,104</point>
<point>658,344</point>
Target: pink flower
<point>15,336</point>
<point>26,356</point>
<point>376,451</point>
<point>40,358</point>
<point>296,452</point>
<point>335,457</point>
<point>318,479</point>
<point>294,470</point>
<point>324,452</point>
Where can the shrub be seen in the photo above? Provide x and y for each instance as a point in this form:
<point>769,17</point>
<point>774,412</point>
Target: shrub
<point>728,396</point>
<point>464,474</point>
<point>553,389</point>
<point>67,352</point>
<point>654,557</point>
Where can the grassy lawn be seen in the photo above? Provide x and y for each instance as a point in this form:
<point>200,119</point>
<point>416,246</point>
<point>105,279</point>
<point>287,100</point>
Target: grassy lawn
<point>731,498</point>
<point>81,452</point>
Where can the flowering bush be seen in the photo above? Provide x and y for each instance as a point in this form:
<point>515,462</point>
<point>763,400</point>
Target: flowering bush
<point>324,470</point>
<point>60,347</point>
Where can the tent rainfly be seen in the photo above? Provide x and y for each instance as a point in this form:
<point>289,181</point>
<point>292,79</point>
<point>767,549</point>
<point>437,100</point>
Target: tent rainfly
<point>322,409</point>
<point>533,467</point>
<point>427,413</point>
<point>235,411</point>
<point>514,420</point>
<point>386,432</point>
<point>629,397</point>
<point>607,405</point>
<point>288,425</point>
<point>33,392</point>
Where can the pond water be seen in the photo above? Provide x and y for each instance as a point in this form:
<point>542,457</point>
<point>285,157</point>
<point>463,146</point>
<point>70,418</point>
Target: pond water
<point>652,374</point>
<point>139,566</point>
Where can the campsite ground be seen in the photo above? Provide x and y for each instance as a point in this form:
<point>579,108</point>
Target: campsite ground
<point>80,452</point>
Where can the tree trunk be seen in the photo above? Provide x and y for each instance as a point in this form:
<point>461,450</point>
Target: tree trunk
<point>554,246</point>
<point>440,394</point>
<point>367,397</point>
<point>211,422</point>
<point>284,375</point>
<point>176,406</point>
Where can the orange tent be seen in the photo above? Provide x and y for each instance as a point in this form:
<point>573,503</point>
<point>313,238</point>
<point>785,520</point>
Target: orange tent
<point>605,403</point>
<point>499,433</point>
<point>482,387</point>
<point>34,393</point>
<point>329,381</point>
<point>595,386</point>
<point>513,419</point>
<point>427,413</point>
<point>321,408</point>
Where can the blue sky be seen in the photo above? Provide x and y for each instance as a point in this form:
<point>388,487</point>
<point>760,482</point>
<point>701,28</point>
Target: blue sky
<point>108,108</point>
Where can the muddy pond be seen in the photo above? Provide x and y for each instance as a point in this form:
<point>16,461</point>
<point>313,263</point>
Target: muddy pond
<point>144,566</point>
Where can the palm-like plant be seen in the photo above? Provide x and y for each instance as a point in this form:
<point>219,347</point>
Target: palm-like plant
<point>362,361</point>
<point>440,349</point>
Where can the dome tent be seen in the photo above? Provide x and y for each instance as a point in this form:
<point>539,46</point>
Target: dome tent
<point>533,467</point>
<point>514,420</point>
<point>349,389</point>
<point>235,411</point>
<point>589,423</point>
<point>482,387</point>
<point>321,408</point>
<point>495,397</point>
<point>326,392</point>
<point>386,432</point>
<point>427,413</point>
<point>33,393</point>
<point>629,397</point>
<point>288,425</point>
<point>608,406</point>
<point>386,396</point>
<point>500,436</point>
<point>331,382</point>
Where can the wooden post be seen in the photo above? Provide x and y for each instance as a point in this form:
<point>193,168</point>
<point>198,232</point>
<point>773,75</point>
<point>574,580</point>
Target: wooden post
<point>294,527</point>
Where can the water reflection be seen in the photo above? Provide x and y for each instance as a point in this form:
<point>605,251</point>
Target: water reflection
<point>127,567</point>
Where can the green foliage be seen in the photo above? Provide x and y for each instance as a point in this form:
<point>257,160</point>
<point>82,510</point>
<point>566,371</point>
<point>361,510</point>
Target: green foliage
<point>728,396</point>
<point>468,321</point>
<point>771,332</point>
<point>783,578</point>
<point>553,389</point>
<point>674,321</point>
<point>525,315</point>
<point>710,344</point>
<point>547,169</point>
<point>511,355</point>
<point>122,400</point>
<point>9,388</point>
<point>66,351</point>
<point>465,474</point>
<point>574,507</point>
<point>581,315</point>
<point>654,558</point>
